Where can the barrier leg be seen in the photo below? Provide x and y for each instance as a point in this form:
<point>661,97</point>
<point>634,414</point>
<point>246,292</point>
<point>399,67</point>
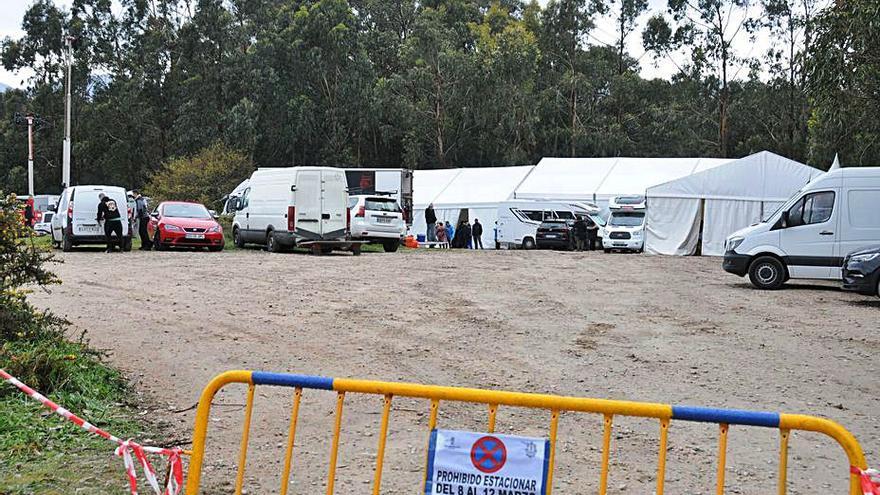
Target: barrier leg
<point>554,428</point>
<point>291,434</point>
<point>380,455</point>
<point>661,461</point>
<point>783,461</point>
<point>606,453</point>
<point>432,423</point>
<point>722,457</point>
<point>334,449</point>
<point>242,454</point>
<point>493,411</point>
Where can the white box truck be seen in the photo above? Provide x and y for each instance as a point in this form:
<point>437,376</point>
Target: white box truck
<point>518,220</point>
<point>298,206</point>
<point>809,236</point>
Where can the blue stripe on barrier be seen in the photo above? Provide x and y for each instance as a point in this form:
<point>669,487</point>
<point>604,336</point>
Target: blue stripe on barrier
<point>729,416</point>
<point>292,380</point>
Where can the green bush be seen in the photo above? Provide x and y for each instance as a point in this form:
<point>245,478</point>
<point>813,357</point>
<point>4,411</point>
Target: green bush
<point>33,348</point>
<point>205,177</point>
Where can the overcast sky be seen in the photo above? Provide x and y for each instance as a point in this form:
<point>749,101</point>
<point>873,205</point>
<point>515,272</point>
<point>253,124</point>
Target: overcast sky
<point>13,12</point>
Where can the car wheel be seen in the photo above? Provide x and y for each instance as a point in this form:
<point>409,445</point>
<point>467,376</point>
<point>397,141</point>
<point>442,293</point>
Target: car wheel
<point>237,239</point>
<point>528,243</point>
<point>390,246</point>
<point>157,241</point>
<point>272,243</point>
<point>767,273</point>
<point>878,287</point>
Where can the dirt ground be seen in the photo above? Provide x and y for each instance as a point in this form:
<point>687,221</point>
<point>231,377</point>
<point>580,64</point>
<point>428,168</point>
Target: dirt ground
<point>659,329</point>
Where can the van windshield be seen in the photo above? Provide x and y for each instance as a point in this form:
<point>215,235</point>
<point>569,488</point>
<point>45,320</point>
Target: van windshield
<point>627,219</point>
<point>788,203</point>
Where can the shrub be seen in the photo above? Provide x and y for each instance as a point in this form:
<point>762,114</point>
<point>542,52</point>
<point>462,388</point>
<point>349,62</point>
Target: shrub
<point>205,177</point>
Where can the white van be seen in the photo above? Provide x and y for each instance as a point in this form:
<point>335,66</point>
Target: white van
<point>808,236</point>
<point>284,207</point>
<point>625,229</point>
<point>518,220</point>
<point>75,220</point>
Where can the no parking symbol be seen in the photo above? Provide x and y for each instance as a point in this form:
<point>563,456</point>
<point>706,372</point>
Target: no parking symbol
<point>470,463</point>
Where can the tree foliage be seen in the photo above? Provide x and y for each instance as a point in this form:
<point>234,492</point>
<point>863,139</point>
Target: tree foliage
<point>205,177</point>
<point>435,83</point>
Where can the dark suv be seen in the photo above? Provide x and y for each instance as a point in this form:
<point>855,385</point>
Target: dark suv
<point>861,271</point>
<point>555,234</point>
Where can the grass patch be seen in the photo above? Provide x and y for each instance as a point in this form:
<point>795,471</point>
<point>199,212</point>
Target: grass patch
<point>40,452</point>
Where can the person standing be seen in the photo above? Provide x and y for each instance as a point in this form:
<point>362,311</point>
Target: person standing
<point>143,217</point>
<point>441,232</point>
<point>580,233</point>
<point>450,232</point>
<point>108,212</point>
<point>466,235</point>
<point>592,234</point>
<point>431,222</point>
<point>477,233</point>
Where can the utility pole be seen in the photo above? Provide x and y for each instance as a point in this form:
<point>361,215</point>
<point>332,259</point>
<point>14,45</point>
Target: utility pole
<point>65,168</point>
<point>30,124</point>
<point>30,120</point>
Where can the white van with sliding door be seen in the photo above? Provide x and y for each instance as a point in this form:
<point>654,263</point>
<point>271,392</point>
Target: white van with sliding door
<point>809,236</point>
<point>285,207</point>
<point>75,221</point>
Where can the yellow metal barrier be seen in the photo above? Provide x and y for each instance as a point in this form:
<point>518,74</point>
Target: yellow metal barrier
<point>494,399</point>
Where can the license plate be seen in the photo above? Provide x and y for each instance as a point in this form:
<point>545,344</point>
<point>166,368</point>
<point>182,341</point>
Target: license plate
<point>553,236</point>
<point>195,236</point>
<point>383,219</point>
<point>90,228</point>
<point>620,244</point>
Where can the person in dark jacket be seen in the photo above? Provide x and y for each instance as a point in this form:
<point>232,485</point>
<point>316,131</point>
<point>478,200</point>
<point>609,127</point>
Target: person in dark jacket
<point>466,238</point>
<point>477,234</point>
<point>143,218</point>
<point>580,233</point>
<point>592,234</point>
<point>431,222</point>
<point>108,212</point>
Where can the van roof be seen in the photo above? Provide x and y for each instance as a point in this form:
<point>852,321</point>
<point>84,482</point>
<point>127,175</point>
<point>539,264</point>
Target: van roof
<point>837,175</point>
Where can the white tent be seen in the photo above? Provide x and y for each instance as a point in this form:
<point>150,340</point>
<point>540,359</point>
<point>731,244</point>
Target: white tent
<point>714,203</point>
<point>600,179</point>
<point>477,190</point>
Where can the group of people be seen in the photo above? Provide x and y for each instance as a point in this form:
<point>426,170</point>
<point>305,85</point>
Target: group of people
<point>465,236</point>
<point>586,233</point>
<point>110,216</point>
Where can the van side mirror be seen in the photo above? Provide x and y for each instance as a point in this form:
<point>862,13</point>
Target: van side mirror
<point>784,219</point>
<point>214,214</point>
<point>234,204</point>
<point>155,215</point>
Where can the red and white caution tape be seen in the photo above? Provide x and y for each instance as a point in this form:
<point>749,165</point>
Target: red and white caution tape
<point>125,448</point>
<point>869,480</point>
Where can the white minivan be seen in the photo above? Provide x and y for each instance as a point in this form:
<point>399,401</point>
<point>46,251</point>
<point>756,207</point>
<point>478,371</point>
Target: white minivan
<point>75,221</point>
<point>809,236</point>
<point>285,207</point>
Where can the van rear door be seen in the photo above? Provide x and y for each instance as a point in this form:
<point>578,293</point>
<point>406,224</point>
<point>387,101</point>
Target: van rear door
<point>308,203</point>
<point>85,211</point>
<point>334,203</point>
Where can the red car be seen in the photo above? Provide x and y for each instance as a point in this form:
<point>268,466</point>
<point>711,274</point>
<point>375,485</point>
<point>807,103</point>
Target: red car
<point>184,224</point>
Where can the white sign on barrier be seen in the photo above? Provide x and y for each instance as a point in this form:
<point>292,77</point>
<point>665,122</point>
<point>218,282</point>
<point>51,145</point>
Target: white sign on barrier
<point>469,463</point>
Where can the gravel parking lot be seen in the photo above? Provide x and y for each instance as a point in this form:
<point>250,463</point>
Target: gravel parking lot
<point>659,329</point>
